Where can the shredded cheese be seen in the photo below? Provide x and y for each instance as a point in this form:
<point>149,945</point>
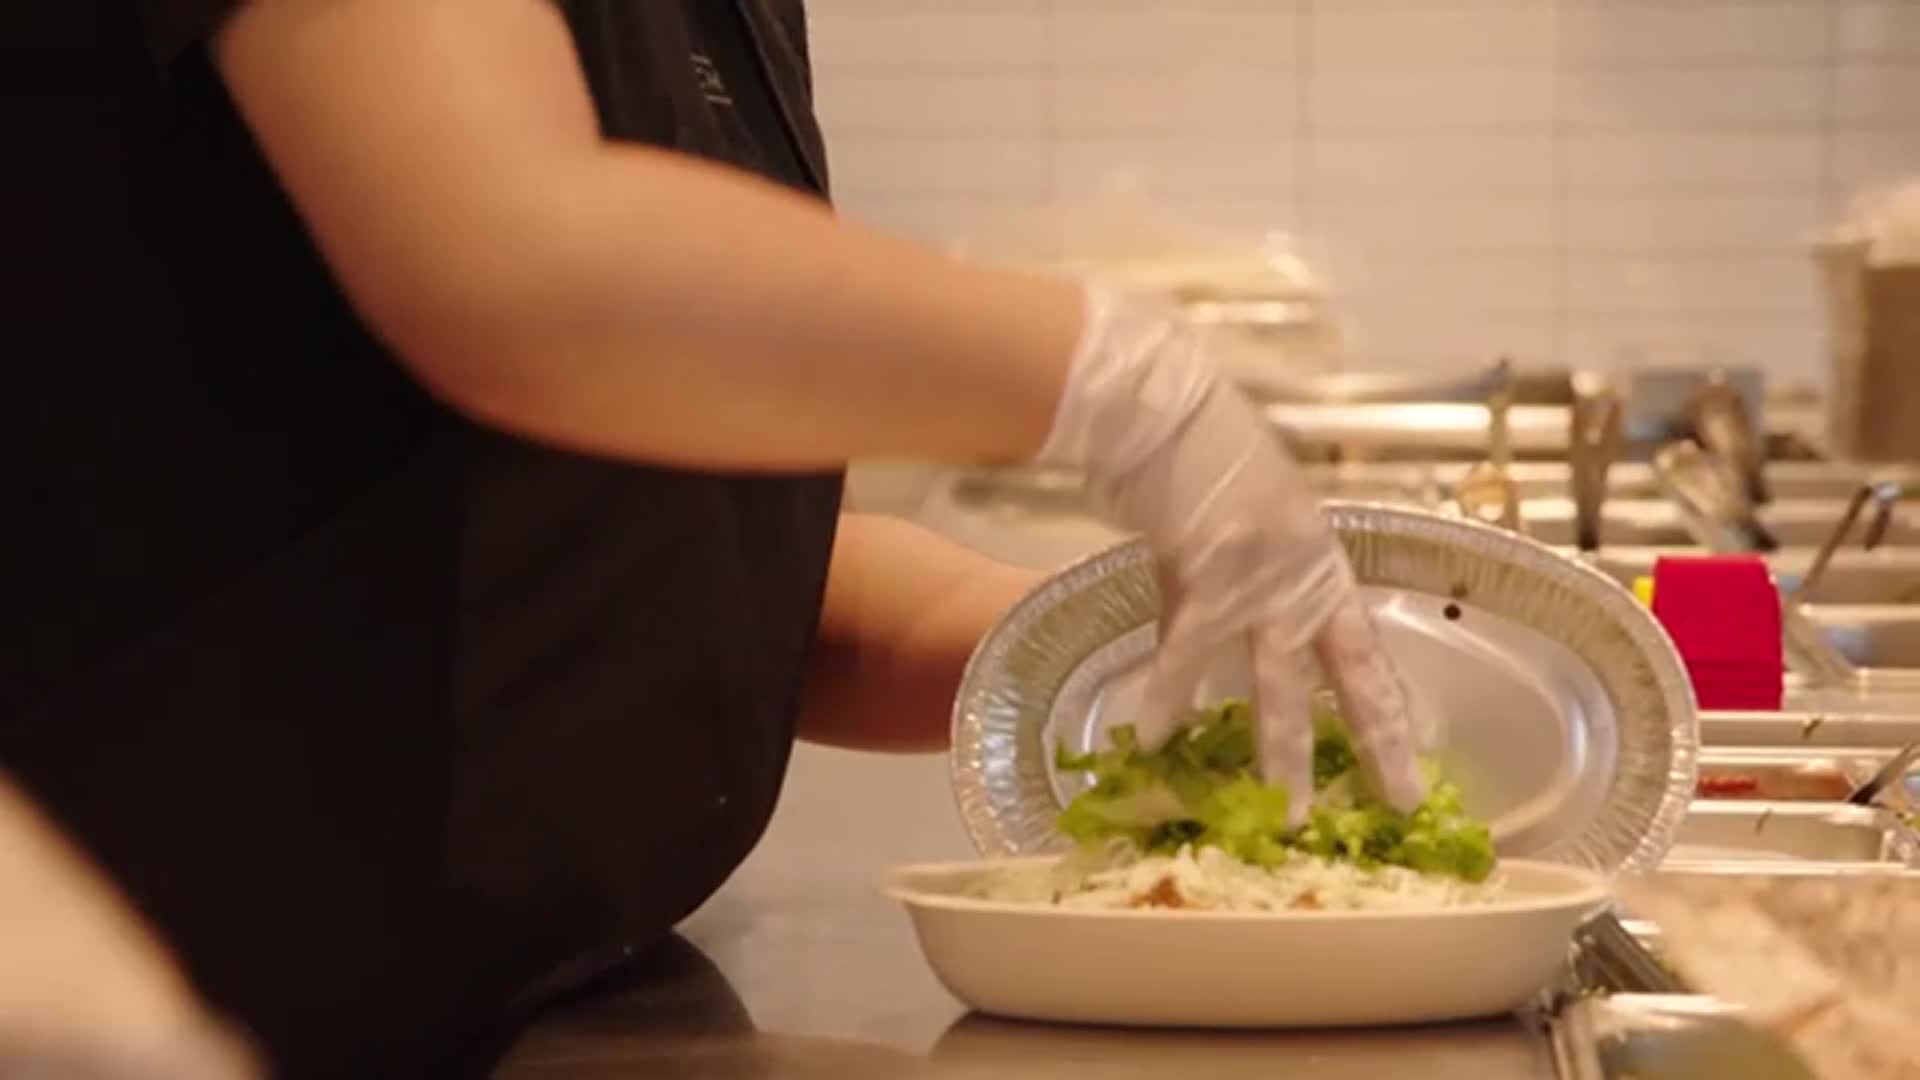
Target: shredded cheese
<point>1208,879</point>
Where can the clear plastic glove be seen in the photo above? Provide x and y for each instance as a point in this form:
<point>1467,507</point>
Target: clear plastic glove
<point>1247,559</point>
<point>85,992</point>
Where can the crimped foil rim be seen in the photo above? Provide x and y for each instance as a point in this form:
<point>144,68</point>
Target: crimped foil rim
<point>1009,811</point>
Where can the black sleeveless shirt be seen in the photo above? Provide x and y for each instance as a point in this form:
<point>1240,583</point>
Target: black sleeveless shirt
<point>390,724</point>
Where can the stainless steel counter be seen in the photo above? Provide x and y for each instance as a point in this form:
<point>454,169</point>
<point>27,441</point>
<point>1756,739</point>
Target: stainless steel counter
<point>798,968</point>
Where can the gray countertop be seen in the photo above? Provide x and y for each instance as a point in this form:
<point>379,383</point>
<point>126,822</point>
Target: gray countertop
<point>798,968</point>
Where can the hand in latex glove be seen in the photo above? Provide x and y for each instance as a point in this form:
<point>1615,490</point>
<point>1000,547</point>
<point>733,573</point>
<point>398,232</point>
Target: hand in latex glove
<point>85,992</point>
<point>1247,559</point>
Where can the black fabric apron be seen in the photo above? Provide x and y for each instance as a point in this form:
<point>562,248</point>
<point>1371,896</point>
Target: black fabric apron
<point>492,715</point>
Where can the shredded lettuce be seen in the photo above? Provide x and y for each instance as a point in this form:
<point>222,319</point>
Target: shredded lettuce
<point>1203,789</point>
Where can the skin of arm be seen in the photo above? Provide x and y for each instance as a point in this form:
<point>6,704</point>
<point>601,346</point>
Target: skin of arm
<point>904,609</point>
<point>609,297</point>
<point>86,989</point>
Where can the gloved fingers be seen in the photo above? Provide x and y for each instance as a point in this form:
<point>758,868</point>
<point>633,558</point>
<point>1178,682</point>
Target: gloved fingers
<point>1242,576</point>
<point>1283,685</point>
<point>1221,488</point>
<point>1132,382</point>
<point>1179,664</point>
<point>1374,705</point>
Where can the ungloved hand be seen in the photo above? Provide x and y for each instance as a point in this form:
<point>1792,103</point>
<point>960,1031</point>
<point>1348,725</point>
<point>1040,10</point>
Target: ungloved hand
<point>1247,559</point>
<point>85,991</point>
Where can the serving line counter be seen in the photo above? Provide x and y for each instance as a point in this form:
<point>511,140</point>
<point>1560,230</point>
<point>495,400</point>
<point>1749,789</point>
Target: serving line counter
<point>800,969</point>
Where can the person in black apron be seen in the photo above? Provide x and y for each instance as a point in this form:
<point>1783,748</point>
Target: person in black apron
<point>399,700</point>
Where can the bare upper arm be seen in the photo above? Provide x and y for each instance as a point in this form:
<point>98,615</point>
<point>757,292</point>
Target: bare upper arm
<point>423,141</point>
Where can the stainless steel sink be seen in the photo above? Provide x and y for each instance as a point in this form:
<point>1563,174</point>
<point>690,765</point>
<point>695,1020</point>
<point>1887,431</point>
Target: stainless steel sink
<point>1885,576</point>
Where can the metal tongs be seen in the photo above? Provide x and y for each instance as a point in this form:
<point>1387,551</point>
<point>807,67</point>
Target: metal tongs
<point>1593,445</point>
<point>1610,957</point>
<point>1487,493</point>
<point>1885,498</point>
<point>1893,772</point>
<point>1825,663</point>
<point>1719,417</point>
<point>1712,499</point>
<point>1717,477</point>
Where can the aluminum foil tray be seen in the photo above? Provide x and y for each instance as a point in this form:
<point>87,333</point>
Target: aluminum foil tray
<point>1569,720</point>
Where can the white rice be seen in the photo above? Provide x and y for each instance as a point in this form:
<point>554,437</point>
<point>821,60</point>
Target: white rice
<point>1211,880</point>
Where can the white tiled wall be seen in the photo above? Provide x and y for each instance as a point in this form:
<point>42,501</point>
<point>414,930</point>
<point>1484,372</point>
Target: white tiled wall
<point>1556,178</point>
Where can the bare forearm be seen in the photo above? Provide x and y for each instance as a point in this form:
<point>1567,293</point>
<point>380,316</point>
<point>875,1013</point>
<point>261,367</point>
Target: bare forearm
<point>86,988</point>
<point>905,609</point>
<point>615,298</point>
<point>716,319</point>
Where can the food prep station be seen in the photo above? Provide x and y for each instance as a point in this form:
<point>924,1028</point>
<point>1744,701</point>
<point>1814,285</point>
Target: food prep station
<point>1774,785</point>
<point>814,973</point>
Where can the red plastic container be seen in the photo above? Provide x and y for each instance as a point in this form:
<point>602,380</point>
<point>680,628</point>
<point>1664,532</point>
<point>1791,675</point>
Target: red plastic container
<point>1723,613</point>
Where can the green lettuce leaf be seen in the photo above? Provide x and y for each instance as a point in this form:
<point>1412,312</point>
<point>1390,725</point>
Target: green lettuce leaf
<point>1246,819</point>
<point>1203,788</point>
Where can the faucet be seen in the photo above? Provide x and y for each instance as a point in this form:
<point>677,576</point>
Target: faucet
<point>1718,415</point>
<point>1593,445</point>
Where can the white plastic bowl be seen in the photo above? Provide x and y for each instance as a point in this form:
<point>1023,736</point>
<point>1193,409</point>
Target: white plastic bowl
<point>1156,968</point>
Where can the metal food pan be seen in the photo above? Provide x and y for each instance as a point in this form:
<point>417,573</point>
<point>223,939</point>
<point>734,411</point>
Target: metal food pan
<point>1728,831</point>
<point>1633,479</point>
<point>1666,1037</point>
<point>1786,775</point>
<point>1879,731</point>
<point>1764,867</point>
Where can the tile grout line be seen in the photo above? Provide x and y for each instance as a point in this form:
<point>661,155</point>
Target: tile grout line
<point>1828,195</point>
<point>1302,115</point>
<point>1597,111</point>
<point>1556,106</point>
<point>1055,127</point>
<point>1829,109</point>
